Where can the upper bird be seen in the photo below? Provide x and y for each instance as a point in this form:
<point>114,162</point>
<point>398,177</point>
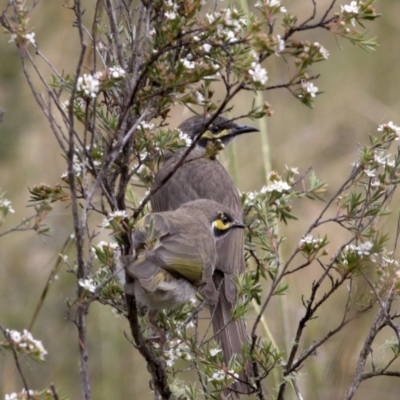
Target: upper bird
<point>203,178</point>
<point>175,253</point>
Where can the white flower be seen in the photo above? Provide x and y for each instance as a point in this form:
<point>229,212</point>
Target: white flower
<point>89,85</point>
<point>26,343</point>
<point>370,172</point>
<point>375,183</point>
<point>364,248</point>
<point>199,98</point>
<point>112,246</point>
<point>310,240</point>
<point>172,4</point>
<point>352,8</point>
<point>186,356</point>
<point>221,375</point>
<point>254,55</point>
<point>116,72</point>
<point>251,196</point>
<point>307,239</point>
<point>64,104</point>
<point>235,23</point>
<point>258,73</point>
<point>105,223</point>
<point>190,325</point>
<point>282,9</point>
<point>15,336</point>
<point>389,260</point>
<point>188,64</point>
<point>40,348</point>
<point>118,214</point>
<point>280,45</point>
<point>309,88</point>
<point>88,284</point>
<point>270,3</point>
<point>145,125</point>
<point>78,103</point>
<point>217,376</point>
<point>391,128</point>
<point>293,170</point>
<point>235,375</point>
<point>207,47</point>
<point>277,186</point>
<point>211,17</point>
<point>381,158</point>
<point>170,363</point>
<point>185,138</point>
<point>214,352</point>
<point>117,313</point>
<point>170,355</point>
<point>77,165</point>
<point>170,15</point>
<point>6,206</point>
<point>322,50</point>
<point>30,37</point>
<point>230,35</point>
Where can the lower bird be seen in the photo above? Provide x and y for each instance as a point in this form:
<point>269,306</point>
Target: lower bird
<point>175,253</point>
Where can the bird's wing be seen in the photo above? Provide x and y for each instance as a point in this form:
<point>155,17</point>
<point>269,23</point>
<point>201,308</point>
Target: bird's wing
<point>150,228</point>
<point>150,276</point>
<point>178,255</point>
<point>164,241</point>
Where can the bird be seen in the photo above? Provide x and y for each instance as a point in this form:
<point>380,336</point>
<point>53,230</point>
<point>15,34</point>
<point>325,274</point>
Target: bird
<point>175,254</point>
<point>200,177</point>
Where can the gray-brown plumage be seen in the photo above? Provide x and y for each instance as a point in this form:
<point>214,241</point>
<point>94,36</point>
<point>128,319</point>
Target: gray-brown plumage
<point>205,178</point>
<point>175,253</point>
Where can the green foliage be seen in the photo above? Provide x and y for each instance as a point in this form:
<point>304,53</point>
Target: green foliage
<point>115,111</point>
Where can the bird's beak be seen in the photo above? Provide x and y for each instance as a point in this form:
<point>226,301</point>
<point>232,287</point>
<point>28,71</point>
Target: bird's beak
<point>237,224</point>
<point>240,129</point>
<point>245,129</point>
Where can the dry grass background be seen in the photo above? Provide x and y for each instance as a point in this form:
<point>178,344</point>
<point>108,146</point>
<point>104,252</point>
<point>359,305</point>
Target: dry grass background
<point>361,91</point>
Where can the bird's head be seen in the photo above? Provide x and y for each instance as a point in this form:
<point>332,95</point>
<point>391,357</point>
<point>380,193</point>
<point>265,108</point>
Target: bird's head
<point>220,129</point>
<point>223,223</point>
<point>215,214</point>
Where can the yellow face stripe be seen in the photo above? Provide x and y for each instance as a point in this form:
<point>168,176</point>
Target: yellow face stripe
<point>210,135</point>
<point>218,224</point>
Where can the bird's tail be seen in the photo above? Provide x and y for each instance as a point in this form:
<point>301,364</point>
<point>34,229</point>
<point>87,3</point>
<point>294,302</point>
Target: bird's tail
<point>231,335</point>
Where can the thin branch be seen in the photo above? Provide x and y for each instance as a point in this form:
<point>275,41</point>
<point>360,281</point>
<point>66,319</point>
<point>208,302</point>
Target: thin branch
<point>358,376</point>
<point>16,360</point>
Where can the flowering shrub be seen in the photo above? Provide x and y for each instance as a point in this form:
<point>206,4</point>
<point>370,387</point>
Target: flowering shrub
<point>114,112</point>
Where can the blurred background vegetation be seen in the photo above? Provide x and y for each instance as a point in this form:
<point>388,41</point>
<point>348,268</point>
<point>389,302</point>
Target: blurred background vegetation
<point>361,91</point>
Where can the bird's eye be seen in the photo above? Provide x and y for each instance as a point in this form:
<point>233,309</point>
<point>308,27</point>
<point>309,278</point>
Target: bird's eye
<point>224,219</point>
<point>215,129</point>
